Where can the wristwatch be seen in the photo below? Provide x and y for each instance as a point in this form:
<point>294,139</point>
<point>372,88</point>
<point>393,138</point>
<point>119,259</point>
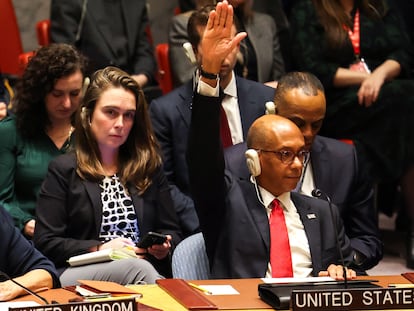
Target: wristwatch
<point>208,75</point>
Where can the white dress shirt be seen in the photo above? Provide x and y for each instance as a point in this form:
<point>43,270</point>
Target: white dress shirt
<point>230,105</point>
<point>299,246</point>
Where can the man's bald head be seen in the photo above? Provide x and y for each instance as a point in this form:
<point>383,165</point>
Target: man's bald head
<point>268,128</point>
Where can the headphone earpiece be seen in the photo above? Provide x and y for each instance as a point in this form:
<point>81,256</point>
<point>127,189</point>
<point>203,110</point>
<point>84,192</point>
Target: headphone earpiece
<point>270,107</point>
<point>85,117</point>
<point>253,162</point>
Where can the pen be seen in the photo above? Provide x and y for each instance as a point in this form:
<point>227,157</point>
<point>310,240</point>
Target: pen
<point>200,288</point>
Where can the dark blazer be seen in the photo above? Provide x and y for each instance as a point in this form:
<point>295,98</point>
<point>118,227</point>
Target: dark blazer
<point>234,223</point>
<point>171,118</point>
<point>96,40</point>
<point>336,173</point>
<point>18,255</point>
<point>69,213</point>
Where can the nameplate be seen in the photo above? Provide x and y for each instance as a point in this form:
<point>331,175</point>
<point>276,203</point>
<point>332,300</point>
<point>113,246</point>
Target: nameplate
<point>353,299</point>
<point>107,305</point>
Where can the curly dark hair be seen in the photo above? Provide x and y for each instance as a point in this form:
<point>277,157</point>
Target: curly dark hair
<point>48,64</point>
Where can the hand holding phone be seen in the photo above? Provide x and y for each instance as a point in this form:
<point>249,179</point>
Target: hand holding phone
<point>150,239</point>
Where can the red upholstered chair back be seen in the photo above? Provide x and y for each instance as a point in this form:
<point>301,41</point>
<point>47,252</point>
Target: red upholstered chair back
<point>10,37</point>
<point>164,69</point>
<point>43,32</point>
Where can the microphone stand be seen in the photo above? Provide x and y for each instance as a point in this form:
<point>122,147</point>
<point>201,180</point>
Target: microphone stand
<point>25,288</point>
<point>317,193</point>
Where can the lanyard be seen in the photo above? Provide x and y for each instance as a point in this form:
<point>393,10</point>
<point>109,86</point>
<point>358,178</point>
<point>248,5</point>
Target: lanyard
<point>354,35</point>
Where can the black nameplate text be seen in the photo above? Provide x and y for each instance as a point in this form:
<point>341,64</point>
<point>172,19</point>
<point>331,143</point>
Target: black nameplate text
<point>103,305</point>
<point>353,299</point>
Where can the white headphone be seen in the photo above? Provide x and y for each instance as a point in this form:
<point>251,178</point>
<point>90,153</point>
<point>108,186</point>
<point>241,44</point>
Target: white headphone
<point>253,162</point>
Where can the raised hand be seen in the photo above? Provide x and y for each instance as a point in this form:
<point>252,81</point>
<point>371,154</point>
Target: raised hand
<point>218,41</point>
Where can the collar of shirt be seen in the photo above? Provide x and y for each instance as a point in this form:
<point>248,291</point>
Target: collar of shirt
<point>231,88</point>
<point>284,199</point>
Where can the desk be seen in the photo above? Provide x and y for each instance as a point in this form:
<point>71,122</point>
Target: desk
<point>156,297</point>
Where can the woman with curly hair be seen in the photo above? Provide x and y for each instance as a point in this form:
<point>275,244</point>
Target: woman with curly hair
<point>111,191</point>
<point>47,97</point>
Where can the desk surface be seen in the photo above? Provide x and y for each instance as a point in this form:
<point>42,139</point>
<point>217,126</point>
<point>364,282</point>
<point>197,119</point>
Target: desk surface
<point>156,297</point>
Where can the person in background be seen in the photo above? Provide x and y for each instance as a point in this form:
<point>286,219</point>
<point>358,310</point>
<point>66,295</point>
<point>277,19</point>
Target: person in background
<point>110,191</point>
<point>259,57</point>
<point>47,96</point>
<point>332,166</point>
<point>3,110</point>
<point>361,54</point>
<point>21,261</point>
<point>242,220</point>
<point>243,102</point>
<point>109,33</point>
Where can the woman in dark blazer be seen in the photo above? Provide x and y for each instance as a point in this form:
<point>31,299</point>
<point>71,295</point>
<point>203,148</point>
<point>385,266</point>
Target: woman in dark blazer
<point>111,191</point>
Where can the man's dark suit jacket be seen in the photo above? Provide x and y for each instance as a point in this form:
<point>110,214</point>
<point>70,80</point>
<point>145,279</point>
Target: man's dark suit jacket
<point>336,173</point>
<point>171,118</point>
<point>234,223</point>
<point>96,40</point>
<point>69,213</point>
<point>18,255</point>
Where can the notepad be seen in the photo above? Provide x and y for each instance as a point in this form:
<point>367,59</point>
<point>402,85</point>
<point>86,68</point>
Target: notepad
<point>102,256</point>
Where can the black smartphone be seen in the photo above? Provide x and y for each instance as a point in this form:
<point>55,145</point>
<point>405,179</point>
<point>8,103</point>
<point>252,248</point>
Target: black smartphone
<point>150,239</point>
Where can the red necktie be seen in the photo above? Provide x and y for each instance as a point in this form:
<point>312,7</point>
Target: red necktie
<point>225,129</point>
<point>280,256</point>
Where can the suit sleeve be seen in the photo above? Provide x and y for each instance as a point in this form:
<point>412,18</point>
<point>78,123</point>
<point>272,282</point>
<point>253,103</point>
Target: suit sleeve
<point>206,168</point>
<point>361,220</point>
<point>163,126</point>
<point>65,16</point>
<point>53,234</point>
<point>181,67</point>
<point>18,254</point>
<point>143,61</point>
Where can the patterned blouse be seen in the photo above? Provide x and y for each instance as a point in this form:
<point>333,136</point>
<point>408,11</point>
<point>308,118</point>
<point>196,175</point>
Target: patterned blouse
<point>118,214</point>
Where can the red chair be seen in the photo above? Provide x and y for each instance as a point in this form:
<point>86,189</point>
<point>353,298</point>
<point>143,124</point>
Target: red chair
<point>164,69</point>
<point>347,141</point>
<point>24,59</point>
<point>43,32</point>
<point>10,37</point>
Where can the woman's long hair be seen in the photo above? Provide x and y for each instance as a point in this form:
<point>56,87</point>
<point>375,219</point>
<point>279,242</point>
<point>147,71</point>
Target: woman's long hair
<point>49,64</point>
<point>332,17</point>
<point>139,157</point>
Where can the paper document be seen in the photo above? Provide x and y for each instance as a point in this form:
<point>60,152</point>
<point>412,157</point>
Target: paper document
<point>4,306</point>
<point>102,256</point>
<point>315,279</point>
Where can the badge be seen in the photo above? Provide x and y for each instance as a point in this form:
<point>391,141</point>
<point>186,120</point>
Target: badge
<point>360,65</point>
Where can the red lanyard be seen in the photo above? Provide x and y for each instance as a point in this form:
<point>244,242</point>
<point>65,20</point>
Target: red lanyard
<point>354,35</point>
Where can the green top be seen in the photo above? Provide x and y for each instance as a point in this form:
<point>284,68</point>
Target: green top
<point>23,166</point>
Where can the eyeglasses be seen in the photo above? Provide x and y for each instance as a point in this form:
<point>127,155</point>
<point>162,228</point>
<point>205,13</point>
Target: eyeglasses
<point>287,156</point>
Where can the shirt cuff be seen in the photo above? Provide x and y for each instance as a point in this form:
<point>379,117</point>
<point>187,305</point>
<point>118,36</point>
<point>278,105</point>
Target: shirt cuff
<point>206,90</point>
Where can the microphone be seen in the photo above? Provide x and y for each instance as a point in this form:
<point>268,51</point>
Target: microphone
<point>317,193</point>
<point>24,287</point>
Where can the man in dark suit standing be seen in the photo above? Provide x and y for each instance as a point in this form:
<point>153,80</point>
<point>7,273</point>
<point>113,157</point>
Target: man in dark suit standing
<point>234,213</point>
<point>109,33</point>
<point>332,166</point>
<point>243,102</point>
